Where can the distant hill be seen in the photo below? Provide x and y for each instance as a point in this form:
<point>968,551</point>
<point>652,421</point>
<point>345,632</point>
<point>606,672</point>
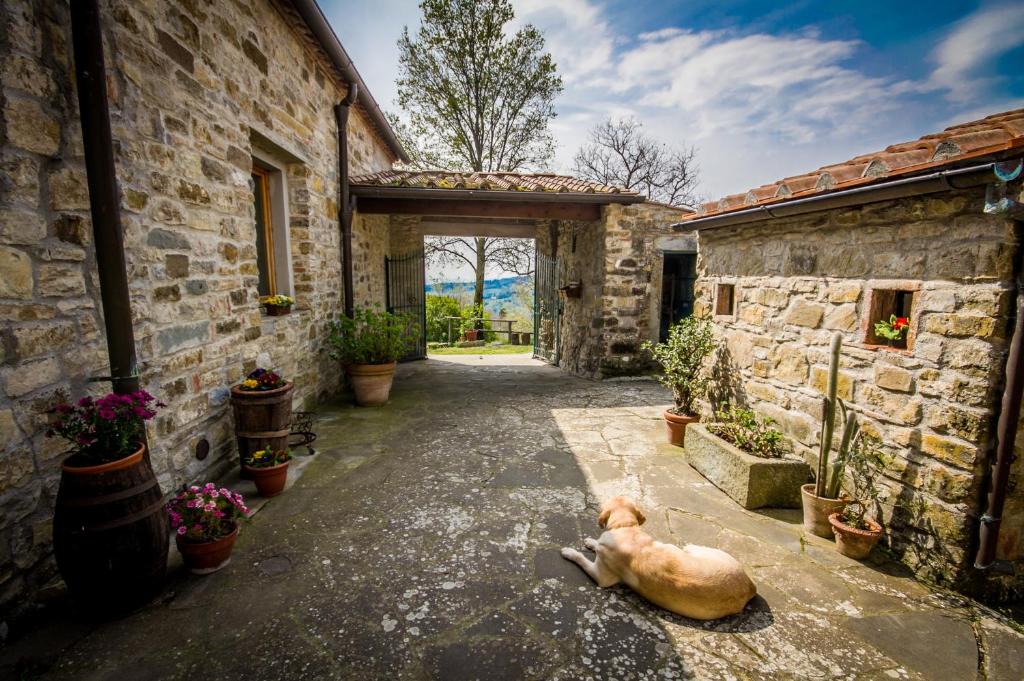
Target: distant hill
<point>498,293</point>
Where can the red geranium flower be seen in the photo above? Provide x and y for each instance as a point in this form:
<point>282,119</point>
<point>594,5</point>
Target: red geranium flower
<point>901,322</point>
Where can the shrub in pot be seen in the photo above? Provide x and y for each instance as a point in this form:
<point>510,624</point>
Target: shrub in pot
<point>268,468</point>
<point>205,524</point>
<point>109,535</point>
<point>262,405</point>
<point>369,345</point>
<point>682,356</point>
<point>822,498</point>
<point>744,456</point>
<point>856,534</point>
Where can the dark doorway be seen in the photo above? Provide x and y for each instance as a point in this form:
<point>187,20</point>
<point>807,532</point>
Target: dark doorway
<point>678,275</point>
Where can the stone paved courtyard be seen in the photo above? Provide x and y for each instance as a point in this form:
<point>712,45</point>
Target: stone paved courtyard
<point>422,543</point>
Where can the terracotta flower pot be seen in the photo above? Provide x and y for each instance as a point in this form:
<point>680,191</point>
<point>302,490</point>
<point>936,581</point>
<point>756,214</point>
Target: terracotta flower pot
<point>471,335</point>
<point>372,383</point>
<point>817,511</point>
<point>852,542</point>
<point>277,310</point>
<point>676,427</point>
<point>270,480</point>
<point>209,556</point>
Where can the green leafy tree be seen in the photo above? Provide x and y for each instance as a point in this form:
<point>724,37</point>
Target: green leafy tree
<point>681,356</point>
<point>439,308</point>
<point>478,98</point>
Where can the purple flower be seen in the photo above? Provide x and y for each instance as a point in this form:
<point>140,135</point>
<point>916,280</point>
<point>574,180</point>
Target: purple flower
<point>85,401</point>
<point>107,414</point>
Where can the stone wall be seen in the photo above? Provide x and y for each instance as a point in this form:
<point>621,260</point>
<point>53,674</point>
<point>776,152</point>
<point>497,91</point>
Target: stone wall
<point>196,90</point>
<point>580,252</point>
<point>633,263</point>
<point>797,281</point>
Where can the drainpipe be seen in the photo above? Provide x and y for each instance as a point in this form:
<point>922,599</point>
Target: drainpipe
<point>345,205</point>
<point>104,199</point>
<point>997,203</point>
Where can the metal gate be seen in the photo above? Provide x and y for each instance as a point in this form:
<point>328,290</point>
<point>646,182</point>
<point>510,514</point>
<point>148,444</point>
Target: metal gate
<point>405,285</point>
<point>546,312</point>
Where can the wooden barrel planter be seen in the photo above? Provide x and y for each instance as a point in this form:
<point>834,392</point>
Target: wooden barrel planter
<point>110,534</point>
<point>262,419</point>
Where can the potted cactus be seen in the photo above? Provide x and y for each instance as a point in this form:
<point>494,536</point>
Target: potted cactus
<point>681,356</point>
<point>856,534</point>
<point>822,498</point>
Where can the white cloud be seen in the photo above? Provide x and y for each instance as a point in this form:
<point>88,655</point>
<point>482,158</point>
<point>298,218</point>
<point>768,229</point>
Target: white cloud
<point>758,106</point>
<point>975,43</point>
<point>580,41</point>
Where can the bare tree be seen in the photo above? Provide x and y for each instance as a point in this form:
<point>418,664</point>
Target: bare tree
<point>511,255</point>
<point>620,154</point>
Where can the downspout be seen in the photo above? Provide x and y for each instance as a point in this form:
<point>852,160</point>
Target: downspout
<point>345,203</point>
<point>997,203</point>
<point>104,200</point>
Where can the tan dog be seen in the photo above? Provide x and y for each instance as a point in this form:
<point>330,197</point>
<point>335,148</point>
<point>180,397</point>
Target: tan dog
<point>693,581</point>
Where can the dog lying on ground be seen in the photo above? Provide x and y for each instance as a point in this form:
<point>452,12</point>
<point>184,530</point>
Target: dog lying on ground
<point>694,581</point>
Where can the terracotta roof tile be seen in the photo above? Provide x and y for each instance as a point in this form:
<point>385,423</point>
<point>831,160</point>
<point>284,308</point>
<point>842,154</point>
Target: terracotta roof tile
<point>510,182</point>
<point>990,135</point>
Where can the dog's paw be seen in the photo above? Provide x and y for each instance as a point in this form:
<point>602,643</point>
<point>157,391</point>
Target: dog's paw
<point>590,543</point>
<point>569,553</point>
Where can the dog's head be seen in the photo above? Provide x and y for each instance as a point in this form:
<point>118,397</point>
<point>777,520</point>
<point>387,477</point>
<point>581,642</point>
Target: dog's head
<point>620,512</point>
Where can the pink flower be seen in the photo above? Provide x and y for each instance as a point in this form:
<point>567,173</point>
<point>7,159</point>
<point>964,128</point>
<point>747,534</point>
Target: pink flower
<point>193,488</point>
<point>214,494</point>
<point>182,529</point>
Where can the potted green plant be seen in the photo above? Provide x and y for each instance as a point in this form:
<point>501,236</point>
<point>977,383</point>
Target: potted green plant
<point>277,306</point>
<point>369,345</point>
<point>205,525</point>
<point>822,498</point>
<point>856,534</point>
<point>894,330</point>
<point>268,468</point>
<point>745,457</point>
<point>682,356</point>
<point>110,539</point>
<point>262,405</point>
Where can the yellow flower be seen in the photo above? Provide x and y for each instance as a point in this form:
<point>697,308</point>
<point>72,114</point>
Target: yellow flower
<point>286,301</point>
<point>250,383</point>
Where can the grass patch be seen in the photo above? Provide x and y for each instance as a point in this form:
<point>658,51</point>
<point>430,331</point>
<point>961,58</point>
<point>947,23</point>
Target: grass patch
<point>483,350</point>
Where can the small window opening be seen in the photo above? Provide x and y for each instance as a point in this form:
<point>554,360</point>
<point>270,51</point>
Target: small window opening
<point>725,299</point>
<point>887,304</point>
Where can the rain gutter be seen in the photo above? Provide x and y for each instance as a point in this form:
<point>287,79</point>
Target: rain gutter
<point>104,197</point>
<point>943,180</point>
<point>345,207</point>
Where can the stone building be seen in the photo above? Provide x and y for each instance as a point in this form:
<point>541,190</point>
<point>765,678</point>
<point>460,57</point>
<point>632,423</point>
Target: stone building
<point>210,103</point>
<point>929,230</point>
<point>226,154</point>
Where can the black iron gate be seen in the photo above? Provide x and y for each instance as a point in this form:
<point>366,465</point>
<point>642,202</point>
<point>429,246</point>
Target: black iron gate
<point>405,284</point>
<point>546,312</point>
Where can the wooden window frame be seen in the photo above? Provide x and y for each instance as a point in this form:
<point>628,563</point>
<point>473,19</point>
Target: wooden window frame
<point>262,176</point>
<point>725,292</point>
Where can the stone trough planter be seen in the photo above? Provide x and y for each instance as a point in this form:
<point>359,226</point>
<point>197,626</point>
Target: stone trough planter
<point>753,482</point>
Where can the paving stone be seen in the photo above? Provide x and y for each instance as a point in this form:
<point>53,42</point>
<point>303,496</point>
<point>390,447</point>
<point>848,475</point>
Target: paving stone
<point>912,639</point>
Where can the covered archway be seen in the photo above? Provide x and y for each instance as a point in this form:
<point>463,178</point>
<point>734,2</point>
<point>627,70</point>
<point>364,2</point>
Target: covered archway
<point>597,303</point>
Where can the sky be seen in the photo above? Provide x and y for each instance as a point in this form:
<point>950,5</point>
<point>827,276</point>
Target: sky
<point>761,90</point>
